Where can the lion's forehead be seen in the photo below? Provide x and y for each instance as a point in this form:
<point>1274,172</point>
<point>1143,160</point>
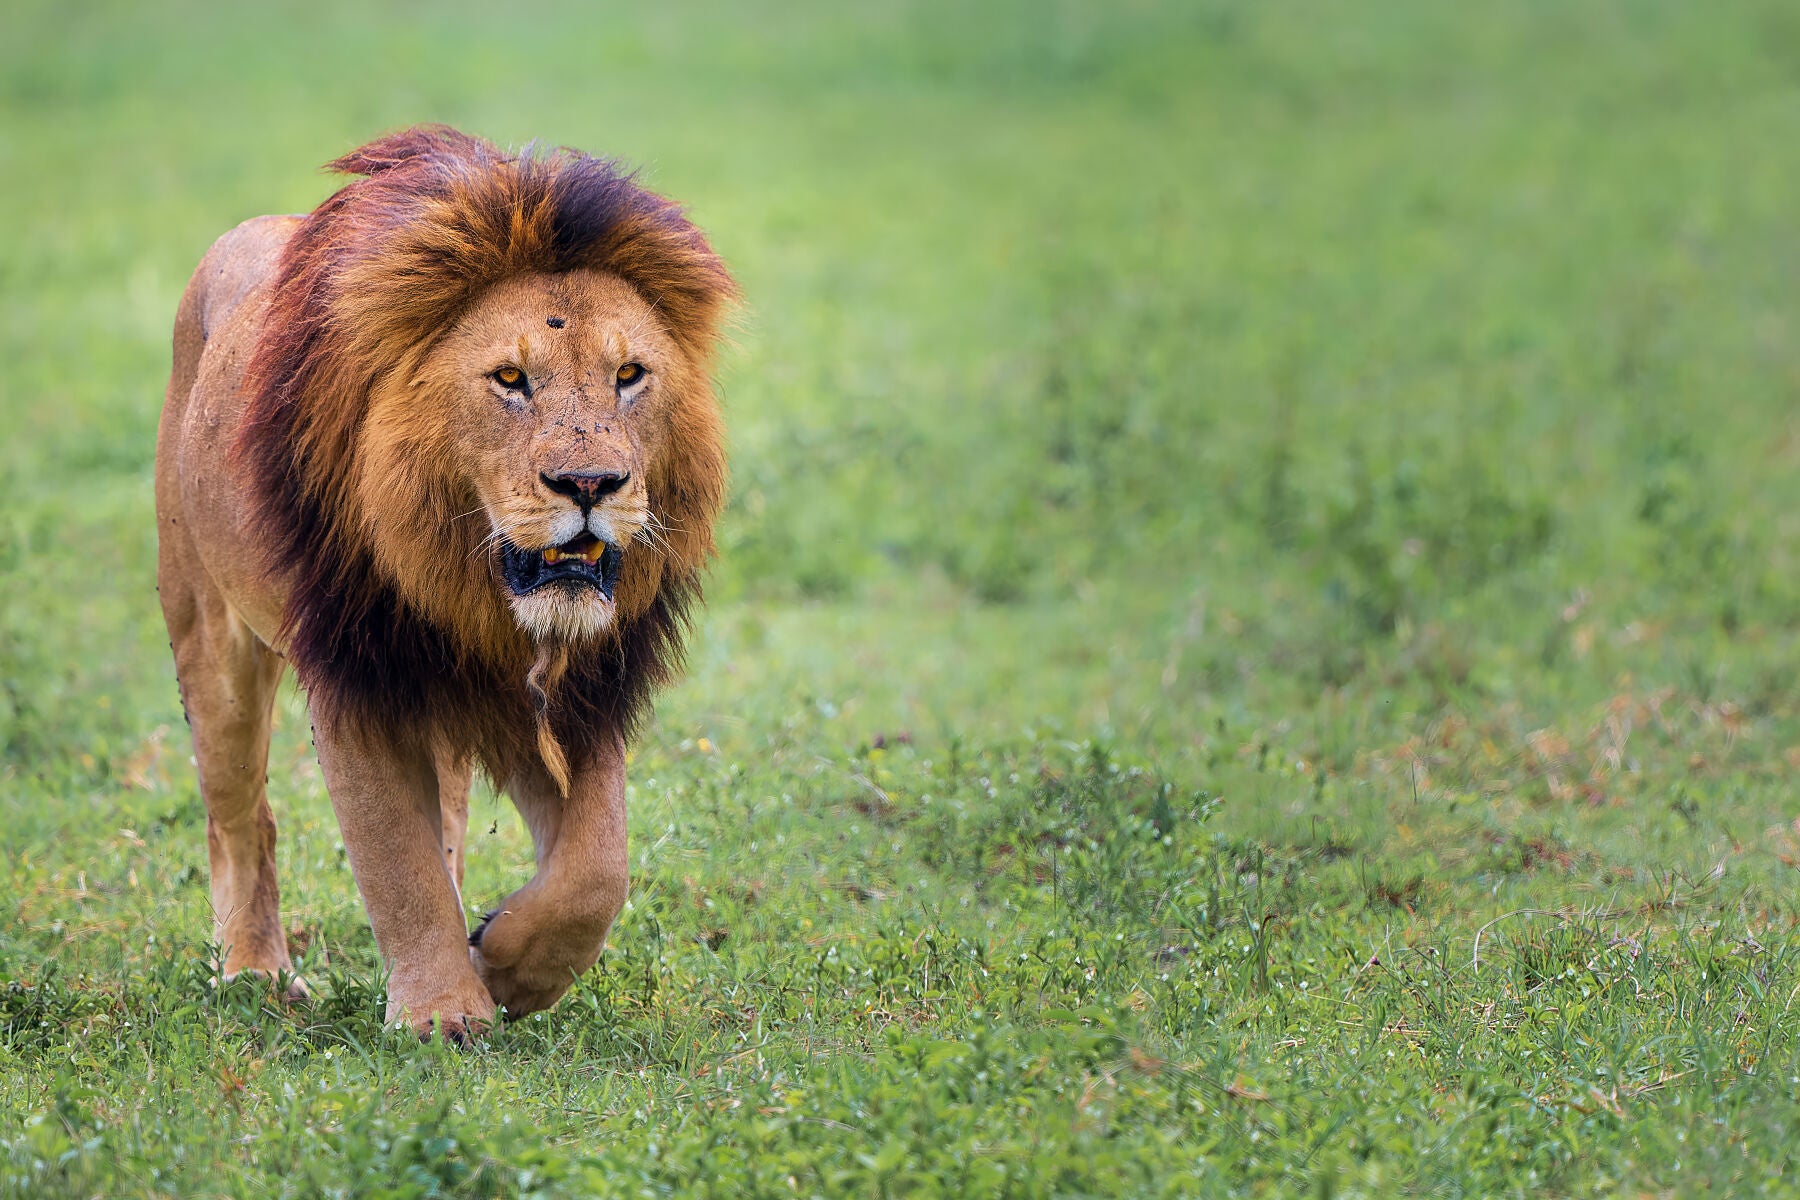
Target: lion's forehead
<point>580,316</point>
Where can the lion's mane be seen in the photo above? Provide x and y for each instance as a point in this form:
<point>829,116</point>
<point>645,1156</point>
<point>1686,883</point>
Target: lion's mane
<point>369,279</point>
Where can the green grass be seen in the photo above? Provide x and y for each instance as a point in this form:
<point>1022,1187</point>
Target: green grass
<point>1254,650</point>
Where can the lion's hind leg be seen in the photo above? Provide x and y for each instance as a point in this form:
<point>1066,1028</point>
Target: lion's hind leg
<point>228,679</point>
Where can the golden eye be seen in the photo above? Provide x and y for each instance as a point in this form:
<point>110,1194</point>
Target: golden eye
<point>509,377</point>
<point>629,374</point>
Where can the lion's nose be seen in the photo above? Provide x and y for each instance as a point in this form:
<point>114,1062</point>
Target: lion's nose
<point>586,488</point>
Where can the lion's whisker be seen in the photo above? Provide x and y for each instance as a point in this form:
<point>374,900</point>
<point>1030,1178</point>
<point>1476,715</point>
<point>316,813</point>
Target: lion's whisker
<point>494,535</point>
<point>653,539</point>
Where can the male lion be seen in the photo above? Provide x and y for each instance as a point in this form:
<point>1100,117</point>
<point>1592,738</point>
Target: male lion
<point>448,445</point>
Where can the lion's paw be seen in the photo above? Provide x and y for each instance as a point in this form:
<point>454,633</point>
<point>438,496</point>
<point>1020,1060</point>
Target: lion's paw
<point>291,988</point>
<point>460,1016</point>
<point>518,991</point>
<point>526,974</point>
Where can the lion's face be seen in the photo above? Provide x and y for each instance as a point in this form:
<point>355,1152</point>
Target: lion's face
<point>531,434</point>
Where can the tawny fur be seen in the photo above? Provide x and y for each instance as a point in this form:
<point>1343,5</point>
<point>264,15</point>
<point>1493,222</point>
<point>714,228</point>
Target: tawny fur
<point>336,473</point>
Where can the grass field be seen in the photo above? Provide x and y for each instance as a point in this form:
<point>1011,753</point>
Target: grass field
<point>1254,650</point>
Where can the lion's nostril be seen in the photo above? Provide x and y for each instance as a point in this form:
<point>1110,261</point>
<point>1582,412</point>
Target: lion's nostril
<point>586,488</point>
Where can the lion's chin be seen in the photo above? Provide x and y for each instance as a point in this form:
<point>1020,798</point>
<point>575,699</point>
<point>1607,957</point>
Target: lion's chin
<point>563,612</point>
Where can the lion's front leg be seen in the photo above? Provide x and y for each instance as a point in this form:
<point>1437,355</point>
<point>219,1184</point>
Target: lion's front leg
<point>532,947</point>
<point>386,796</point>
<point>455,772</point>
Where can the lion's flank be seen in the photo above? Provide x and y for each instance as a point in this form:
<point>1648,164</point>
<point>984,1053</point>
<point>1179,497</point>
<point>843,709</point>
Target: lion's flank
<point>367,282</point>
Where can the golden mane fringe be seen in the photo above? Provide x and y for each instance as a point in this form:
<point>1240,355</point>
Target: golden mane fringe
<point>546,672</point>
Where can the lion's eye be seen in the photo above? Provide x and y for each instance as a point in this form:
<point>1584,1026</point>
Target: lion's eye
<point>629,374</point>
<point>509,377</point>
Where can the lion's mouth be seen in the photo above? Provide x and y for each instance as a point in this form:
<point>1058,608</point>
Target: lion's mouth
<point>585,560</point>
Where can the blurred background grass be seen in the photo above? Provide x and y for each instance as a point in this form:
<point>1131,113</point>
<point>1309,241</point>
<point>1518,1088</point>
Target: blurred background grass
<point>1184,375</point>
<point>1374,414</point>
<point>1341,324</point>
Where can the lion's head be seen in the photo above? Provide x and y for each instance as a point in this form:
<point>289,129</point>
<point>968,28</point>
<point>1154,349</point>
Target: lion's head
<point>531,437</point>
<point>483,425</point>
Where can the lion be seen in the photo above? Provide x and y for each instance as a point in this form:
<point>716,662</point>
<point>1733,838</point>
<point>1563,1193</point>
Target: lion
<point>449,446</point>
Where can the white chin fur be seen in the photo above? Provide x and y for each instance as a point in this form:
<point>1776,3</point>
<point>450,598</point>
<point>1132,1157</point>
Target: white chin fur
<point>552,614</point>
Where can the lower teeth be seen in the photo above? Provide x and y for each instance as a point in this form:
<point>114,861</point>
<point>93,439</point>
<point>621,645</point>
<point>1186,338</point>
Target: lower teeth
<point>592,558</point>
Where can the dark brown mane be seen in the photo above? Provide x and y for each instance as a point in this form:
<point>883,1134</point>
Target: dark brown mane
<point>365,284</point>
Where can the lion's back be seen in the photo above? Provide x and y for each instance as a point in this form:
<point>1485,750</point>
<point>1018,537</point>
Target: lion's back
<point>233,270</point>
<point>201,496</point>
<point>236,265</point>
